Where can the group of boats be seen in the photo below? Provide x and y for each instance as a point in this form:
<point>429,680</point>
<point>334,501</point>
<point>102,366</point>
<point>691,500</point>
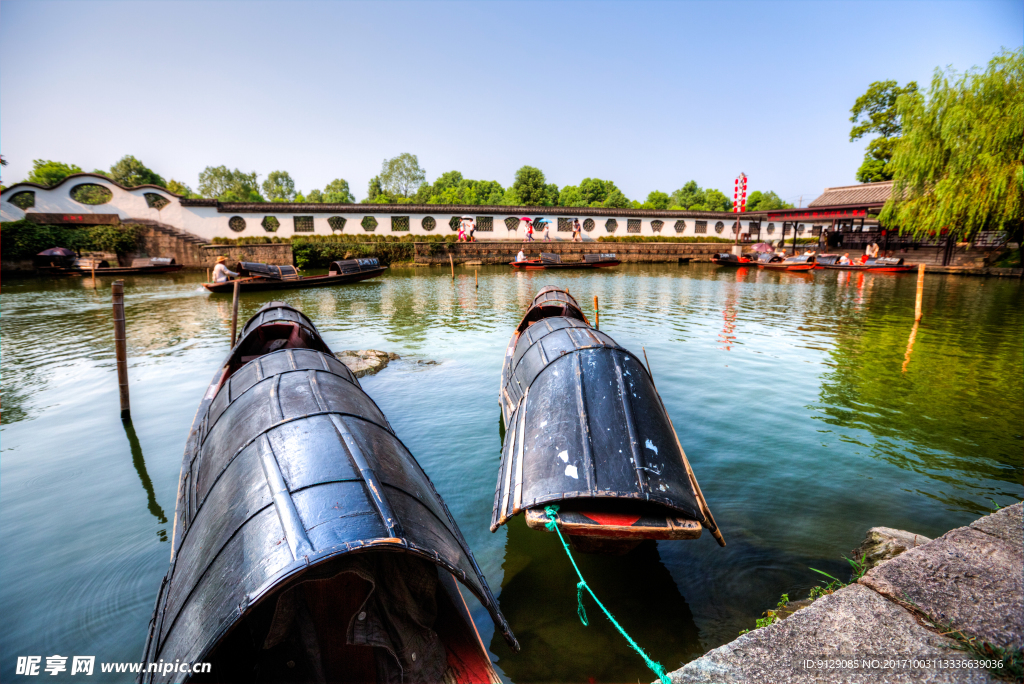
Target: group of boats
<point>310,546</point>
<point>808,262</point>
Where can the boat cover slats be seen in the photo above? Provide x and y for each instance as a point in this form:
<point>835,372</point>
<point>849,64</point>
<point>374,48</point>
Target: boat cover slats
<point>592,258</point>
<point>354,265</point>
<point>289,466</point>
<point>582,419</point>
<point>885,261</point>
<point>549,258</point>
<point>285,272</point>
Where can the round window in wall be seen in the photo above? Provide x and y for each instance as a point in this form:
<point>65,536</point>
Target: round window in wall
<point>588,225</point>
<point>428,223</point>
<point>454,223</point>
<point>680,226</point>
<point>369,224</point>
<point>770,229</point>
<point>90,193</point>
<point>656,226</point>
<point>24,199</point>
<point>719,227</point>
<point>270,224</point>
<point>610,225</point>
<point>237,224</point>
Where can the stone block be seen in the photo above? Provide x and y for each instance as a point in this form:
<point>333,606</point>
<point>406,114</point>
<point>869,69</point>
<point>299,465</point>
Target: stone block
<point>1006,523</point>
<point>883,543</point>
<point>969,580</point>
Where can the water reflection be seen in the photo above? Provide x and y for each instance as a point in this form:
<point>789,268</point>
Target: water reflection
<point>538,596</point>
<point>140,467</point>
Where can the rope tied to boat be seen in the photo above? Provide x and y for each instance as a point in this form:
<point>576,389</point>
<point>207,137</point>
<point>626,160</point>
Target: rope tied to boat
<point>552,524</point>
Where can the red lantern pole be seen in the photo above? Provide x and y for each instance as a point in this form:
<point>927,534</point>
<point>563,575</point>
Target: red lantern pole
<point>739,205</point>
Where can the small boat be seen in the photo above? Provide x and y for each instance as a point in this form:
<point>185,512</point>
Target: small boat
<point>586,429</point>
<point>798,262</point>
<point>258,277</point>
<point>548,260</point>
<point>308,544</point>
<point>876,265</point>
<point>727,259</point>
<point>63,261</point>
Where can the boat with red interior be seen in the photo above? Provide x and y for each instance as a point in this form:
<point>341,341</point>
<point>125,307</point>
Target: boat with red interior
<point>874,265</point>
<point>797,262</point>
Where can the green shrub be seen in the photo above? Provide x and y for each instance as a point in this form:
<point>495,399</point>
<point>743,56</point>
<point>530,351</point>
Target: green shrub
<point>24,239</point>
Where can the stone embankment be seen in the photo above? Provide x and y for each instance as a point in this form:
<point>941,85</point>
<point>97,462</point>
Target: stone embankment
<point>919,605</point>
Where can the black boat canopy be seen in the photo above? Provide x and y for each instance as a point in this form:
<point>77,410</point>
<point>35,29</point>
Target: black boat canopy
<point>583,421</point>
<point>269,270</point>
<point>354,266</point>
<point>288,468</point>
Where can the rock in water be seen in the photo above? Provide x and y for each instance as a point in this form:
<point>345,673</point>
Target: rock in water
<point>366,361</point>
<point>883,543</point>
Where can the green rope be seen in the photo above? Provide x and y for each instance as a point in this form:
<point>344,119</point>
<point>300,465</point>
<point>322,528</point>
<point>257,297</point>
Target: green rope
<point>552,525</point>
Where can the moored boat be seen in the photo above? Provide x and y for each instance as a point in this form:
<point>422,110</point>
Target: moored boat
<point>728,259</point>
<point>585,429</point>
<point>797,262</point>
<point>547,260</point>
<point>261,277</point>
<point>308,544</point>
<point>875,265</point>
<point>63,261</point>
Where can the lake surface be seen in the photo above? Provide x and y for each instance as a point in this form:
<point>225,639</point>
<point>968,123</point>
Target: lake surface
<point>794,397</point>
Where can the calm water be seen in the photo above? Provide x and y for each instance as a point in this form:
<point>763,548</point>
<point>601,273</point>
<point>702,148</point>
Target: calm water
<point>789,394</point>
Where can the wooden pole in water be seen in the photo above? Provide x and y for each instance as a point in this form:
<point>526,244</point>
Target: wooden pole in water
<point>207,275</point>
<point>120,347</point>
<point>476,277</point>
<point>920,293</point>
<point>452,262</point>
<point>234,312</point>
<point>94,274</point>
<point>597,316</point>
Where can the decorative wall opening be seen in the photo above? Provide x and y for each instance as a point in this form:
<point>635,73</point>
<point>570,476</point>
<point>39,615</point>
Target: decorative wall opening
<point>337,223</point>
<point>633,226</point>
<point>237,224</point>
<point>700,227</point>
<point>399,224</point>
<point>270,224</point>
<point>564,225</point>
<point>155,201</point>
<point>588,225</point>
<point>816,231</point>
<point>610,225</point>
<point>428,223</point>
<point>485,224</point>
<point>719,227</point>
<point>680,226</point>
<point>303,224</point>
<point>24,199</point>
<point>754,228</point>
<point>512,223</point>
<point>735,227</point>
<point>454,222</point>
<point>656,226</point>
<point>770,229</point>
<point>800,229</point>
<point>369,224</point>
<point>90,193</point>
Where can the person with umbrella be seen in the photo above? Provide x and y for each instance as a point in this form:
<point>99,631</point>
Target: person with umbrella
<point>529,229</point>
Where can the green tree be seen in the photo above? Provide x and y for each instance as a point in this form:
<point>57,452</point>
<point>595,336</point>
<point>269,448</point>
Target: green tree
<point>314,197</point>
<point>570,196</point>
<point>716,200</point>
<point>279,187</point>
<point>656,200</point>
<point>219,182</point>
<point>959,165</point>
<point>179,188</point>
<point>402,176</point>
<point>765,201</point>
<point>875,112</point>
<point>617,200</point>
<point>531,188</point>
<point>49,173</point>
<point>131,172</point>
<point>688,196</point>
<point>510,198</point>
<point>337,192</point>
<point>375,192</point>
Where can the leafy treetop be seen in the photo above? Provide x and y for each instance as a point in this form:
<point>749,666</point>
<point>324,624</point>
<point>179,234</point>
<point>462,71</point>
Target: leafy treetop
<point>49,173</point>
<point>875,112</point>
<point>130,172</point>
<point>279,187</point>
<point>226,185</point>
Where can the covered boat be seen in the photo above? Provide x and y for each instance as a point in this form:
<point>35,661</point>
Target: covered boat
<point>308,544</point>
<point>729,259</point>
<point>259,277</point>
<point>797,262</point>
<point>60,260</point>
<point>875,265</point>
<point>586,429</point>
<point>547,260</point>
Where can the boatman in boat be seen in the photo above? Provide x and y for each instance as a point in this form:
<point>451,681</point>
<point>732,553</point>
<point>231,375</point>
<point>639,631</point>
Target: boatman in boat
<point>845,259</point>
<point>520,256</point>
<point>220,271</point>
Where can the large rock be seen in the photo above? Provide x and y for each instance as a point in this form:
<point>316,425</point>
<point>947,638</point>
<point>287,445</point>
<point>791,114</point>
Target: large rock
<point>1007,524</point>
<point>366,361</point>
<point>966,579</point>
<point>854,625</point>
<point>884,543</point>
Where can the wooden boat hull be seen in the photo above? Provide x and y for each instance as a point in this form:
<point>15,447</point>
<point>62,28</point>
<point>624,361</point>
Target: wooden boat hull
<point>586,430</point>
<point>782,266</point>
<point>538,265</point>
<point>304,530</point>
<point>730,262</point>
<point>260,284</point>
<point>866,268</point>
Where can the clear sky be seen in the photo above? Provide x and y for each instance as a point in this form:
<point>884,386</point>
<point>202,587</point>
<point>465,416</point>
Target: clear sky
<point>647,94</point>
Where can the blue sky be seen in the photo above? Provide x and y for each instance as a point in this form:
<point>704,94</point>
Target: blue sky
<point>649,95</point>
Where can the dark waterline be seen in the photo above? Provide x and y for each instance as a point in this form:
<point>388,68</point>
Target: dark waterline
<point>788,392</point>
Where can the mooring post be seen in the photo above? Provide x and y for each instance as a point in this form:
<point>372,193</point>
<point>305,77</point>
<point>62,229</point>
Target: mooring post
<point>920,293</point>
<point>234,312</point>
<point>452,262</point>
<point>597,316</point>
<point>476,277</point>
<point>94,274</point>
<point>207,275</point>
<point>121,347</point>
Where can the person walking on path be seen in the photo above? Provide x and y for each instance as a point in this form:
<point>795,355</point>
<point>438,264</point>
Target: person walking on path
<point>472,230</point>
<point>220,271</point>
<point>547,231</point>
<point>529,230</point>
<point>577,233</point>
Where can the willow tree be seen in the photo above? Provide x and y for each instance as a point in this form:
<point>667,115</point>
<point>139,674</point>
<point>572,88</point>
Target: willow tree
<point>958,165</point>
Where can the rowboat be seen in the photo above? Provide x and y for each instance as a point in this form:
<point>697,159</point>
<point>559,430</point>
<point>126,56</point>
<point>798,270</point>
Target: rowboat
<point>548,260</point>
<point>727,259</point>
<point>260,277</point>
<point>308,544</point>
<point>798,262</point>
<point>63,261</point>
<point>586,430</point>
<point>875,265</point>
